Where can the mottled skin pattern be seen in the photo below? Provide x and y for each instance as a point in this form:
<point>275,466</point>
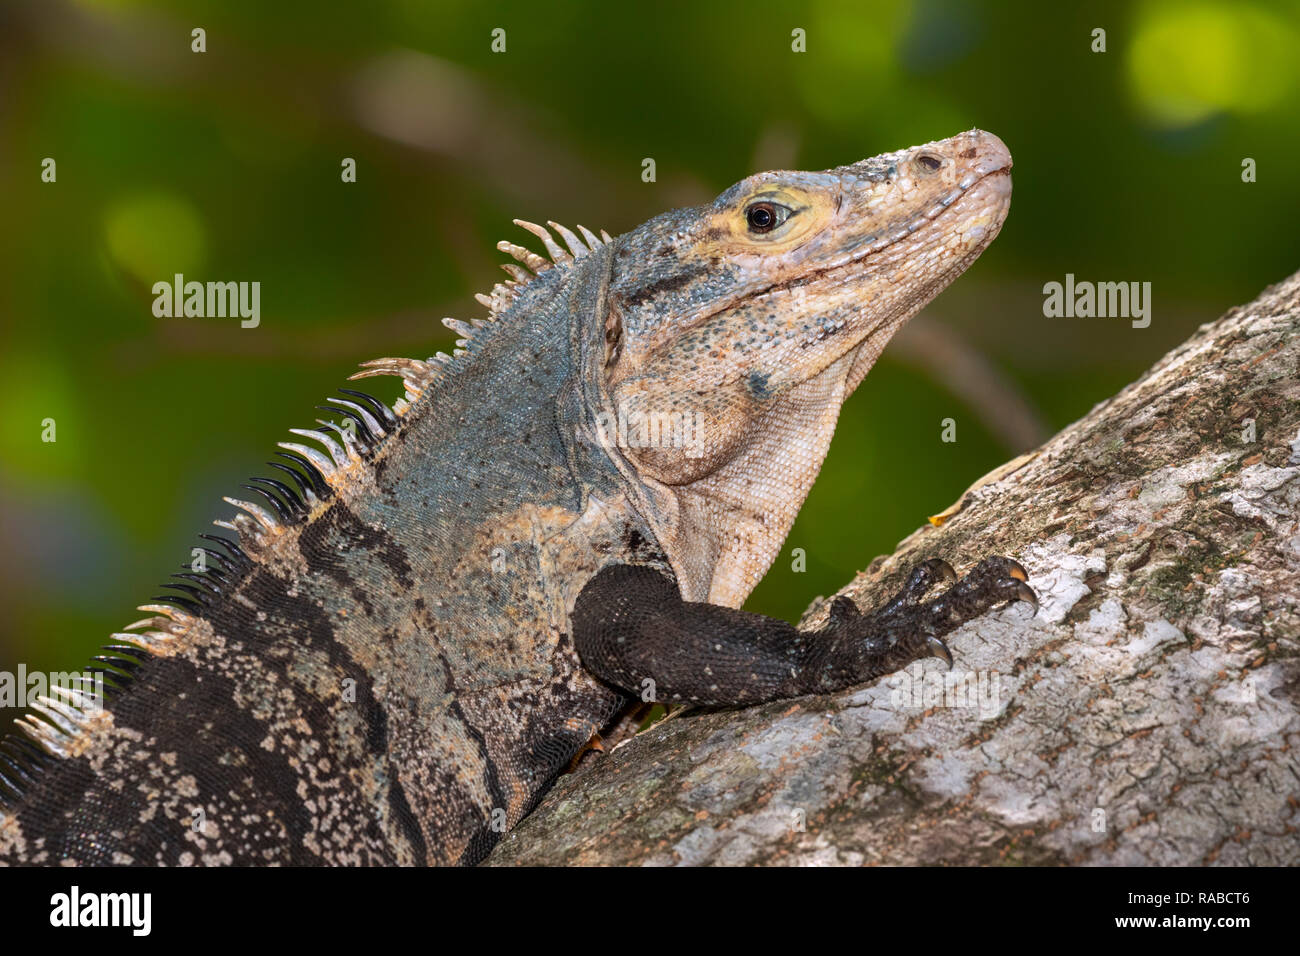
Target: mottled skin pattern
<point>396,674</point>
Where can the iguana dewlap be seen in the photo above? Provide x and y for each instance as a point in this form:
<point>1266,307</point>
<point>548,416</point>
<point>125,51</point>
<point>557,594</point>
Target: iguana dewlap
<point>436,605</point>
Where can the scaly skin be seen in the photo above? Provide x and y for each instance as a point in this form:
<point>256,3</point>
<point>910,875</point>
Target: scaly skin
<point>388,666</point>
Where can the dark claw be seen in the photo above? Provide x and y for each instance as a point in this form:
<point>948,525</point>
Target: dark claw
<point>939,649</point>
<point>905,629</point>
<point>1025,593</point>
<point>923,577</point>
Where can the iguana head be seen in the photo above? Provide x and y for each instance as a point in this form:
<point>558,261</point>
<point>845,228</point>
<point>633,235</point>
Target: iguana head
<point>745,323</point>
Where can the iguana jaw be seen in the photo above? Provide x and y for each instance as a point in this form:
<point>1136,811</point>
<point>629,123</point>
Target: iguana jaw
<point>750,343</point>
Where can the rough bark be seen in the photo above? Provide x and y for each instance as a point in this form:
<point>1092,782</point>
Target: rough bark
<point>1146,715</point>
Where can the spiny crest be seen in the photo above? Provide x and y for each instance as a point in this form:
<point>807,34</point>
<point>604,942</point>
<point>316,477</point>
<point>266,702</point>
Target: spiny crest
<point>504,293</point>
<point>417,376</point>
<point>60,723</point>
<point>320,470</point>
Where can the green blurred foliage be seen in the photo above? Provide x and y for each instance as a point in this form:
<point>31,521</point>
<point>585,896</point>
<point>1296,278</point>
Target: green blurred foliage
<point>226,165</point>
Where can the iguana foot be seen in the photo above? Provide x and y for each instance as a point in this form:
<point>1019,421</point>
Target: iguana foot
<point>633,630</point>
<point>906,628</point>
<point>923,577</point>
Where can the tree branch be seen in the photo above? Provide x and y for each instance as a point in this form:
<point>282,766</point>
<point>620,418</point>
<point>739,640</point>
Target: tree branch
<point>1146,715</point>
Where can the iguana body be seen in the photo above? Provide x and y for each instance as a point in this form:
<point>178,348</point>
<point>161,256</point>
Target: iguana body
<point>399,655</point>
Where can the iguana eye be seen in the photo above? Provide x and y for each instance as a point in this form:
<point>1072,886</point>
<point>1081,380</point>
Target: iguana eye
<point>765,216</point>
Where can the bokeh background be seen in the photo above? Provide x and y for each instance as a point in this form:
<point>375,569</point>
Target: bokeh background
<point>226,165</point>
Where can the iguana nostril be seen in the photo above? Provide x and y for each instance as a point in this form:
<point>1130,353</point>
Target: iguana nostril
<point>929,162</point>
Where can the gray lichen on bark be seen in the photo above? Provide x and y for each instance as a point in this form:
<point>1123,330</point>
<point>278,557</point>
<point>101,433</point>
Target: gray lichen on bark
<point>1146,715</point>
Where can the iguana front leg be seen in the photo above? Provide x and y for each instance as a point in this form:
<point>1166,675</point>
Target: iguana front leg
<point>631,627</point>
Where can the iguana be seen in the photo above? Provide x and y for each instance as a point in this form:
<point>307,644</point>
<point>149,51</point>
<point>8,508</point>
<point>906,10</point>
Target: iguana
<point>437,604</point>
